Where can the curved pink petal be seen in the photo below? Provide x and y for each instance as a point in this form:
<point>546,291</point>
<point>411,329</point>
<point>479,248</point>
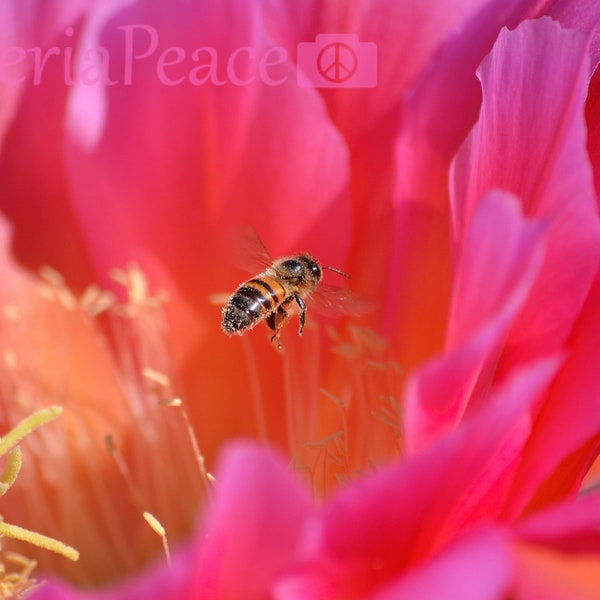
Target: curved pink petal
<point>46,231</point>
<point>379,526</point>
<point>25,26</point>
<point>476,566</point>
<point>254,530</point>
<point>217,162</point>
<point>439,110</point>
<point>499,260</point>
<point>219,166</point>
<point>402,51</point>
<point>167,582</point>
<point>568,423</point>
<point>571,525</point>
<point>530,140</point>
<point>584,16</point>
<point>500,256</point>
<point>592,114</point>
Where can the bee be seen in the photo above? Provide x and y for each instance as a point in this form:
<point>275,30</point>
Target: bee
<point>279,292</point>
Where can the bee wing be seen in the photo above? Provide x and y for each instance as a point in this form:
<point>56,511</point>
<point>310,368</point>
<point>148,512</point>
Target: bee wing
<point>251,254</point>
<point>332,301</point>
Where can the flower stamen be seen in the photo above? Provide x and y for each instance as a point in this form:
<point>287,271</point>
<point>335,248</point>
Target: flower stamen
<point>157,527</point>
<point>8,447</point>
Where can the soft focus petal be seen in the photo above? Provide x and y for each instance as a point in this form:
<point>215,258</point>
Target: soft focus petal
<point>403,49</point>
<point>568,526</point>
<point>23,24</point>
<point>167,582</point>
<point>78,488</point>
<point>475,567</point>
<point>500,258</point>
<point>258,154</point>
<point>254,530</point>
<point>400,515</point>
<point>439,109</point>
<point>530,140</point>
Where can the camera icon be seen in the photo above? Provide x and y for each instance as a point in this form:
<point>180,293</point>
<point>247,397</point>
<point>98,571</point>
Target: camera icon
<point>337,60</point>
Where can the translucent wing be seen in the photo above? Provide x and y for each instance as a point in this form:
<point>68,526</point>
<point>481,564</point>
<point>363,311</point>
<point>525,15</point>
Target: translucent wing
<point>251,254</point>
<point>332,301</point>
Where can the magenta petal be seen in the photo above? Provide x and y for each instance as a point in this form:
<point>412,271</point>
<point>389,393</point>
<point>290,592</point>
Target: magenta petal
<point>499,261</point>
<point>530,140</point>
<point>378,526</point>
<point>499,258</point>
<point>167,582</point>
<point>571,525</point>
<point>253,530</point>
<point>475,567</point>
<point>223,149</point>
<point>568,421</point>
<point>583,15</point>
<point>252,533</point>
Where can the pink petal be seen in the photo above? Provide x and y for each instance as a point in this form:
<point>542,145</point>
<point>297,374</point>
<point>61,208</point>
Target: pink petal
<point>167,582</point>
<point>568,421</point>
<point>500,256</point>
<point>476,566</point>
<point>252,533</point>
<point>45,228</point>
<point>254,529</point>
<point>438,112</point>
<point>400,515</point>
<point>583,15</point>
<point>592,113</point>
<point>530,140</point>
<point>403,49</point>
<point>571,525</point>
<point>223,150</point>
<point>498,264</point>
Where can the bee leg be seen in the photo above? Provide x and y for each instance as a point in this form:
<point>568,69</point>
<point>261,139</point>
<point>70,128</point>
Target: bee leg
<point>302,314</point>
<point>275,322</point>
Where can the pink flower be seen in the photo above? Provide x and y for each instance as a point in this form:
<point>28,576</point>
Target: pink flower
<point>459,417</point>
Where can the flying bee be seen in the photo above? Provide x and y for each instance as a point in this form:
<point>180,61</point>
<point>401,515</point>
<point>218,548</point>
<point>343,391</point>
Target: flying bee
<point>280,291</point>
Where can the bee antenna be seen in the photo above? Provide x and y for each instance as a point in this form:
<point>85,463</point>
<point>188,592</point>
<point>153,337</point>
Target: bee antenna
<point>337,271</point>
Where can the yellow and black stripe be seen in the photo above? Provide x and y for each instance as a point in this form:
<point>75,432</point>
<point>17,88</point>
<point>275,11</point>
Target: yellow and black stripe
<point>251,303</point>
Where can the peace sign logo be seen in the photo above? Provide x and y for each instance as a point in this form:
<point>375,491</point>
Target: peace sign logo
<point>337,62</point>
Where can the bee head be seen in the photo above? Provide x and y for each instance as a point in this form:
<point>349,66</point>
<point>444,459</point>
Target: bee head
<point>303,268</point>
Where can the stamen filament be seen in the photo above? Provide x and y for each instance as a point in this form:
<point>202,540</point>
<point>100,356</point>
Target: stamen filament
<point>26,426</point>
<point>37,539</point>
<point>11,470</point>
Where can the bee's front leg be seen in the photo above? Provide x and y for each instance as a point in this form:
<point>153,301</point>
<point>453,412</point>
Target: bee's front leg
<point>302,315</point>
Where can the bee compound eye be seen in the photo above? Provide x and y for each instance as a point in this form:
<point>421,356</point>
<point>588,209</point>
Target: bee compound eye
<point>293,266</point>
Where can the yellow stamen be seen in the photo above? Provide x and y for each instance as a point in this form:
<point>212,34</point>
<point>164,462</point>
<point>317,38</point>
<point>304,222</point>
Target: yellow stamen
<point>8,445</point>
<point>155,376</point>
<point>26,426</point>
<point>157,527</point>
<point>11,470</point>
<point>37,539</point>
<point>94,301</point>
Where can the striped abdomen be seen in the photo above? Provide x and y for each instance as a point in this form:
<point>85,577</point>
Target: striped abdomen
<point>251,303</point>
